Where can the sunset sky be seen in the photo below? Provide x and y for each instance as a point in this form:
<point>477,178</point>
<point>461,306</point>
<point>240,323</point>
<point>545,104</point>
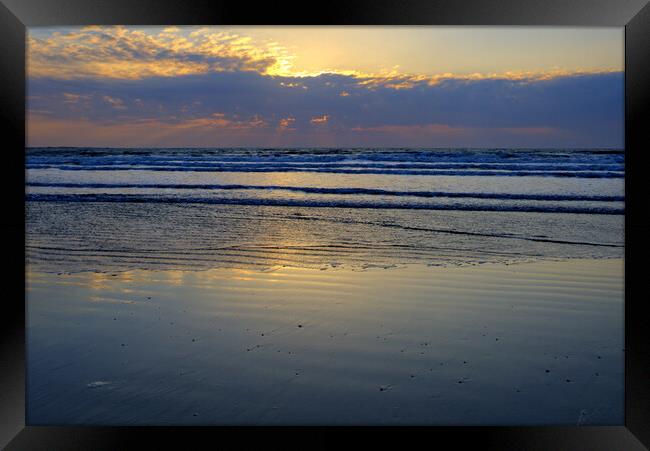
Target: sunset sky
<point>325,87</point>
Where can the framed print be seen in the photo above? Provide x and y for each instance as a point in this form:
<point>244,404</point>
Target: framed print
<point>222,219</point>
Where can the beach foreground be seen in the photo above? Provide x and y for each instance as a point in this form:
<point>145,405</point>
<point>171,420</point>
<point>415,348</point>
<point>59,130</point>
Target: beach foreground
<point>529,343</point>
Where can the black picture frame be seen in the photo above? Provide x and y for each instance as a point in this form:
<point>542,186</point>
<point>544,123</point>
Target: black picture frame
<point>634,15</point>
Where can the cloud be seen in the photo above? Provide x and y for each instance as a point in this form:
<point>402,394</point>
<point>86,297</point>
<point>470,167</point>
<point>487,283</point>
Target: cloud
<point>285,124</point>
<point>117,52</point>
<point>116,103</point>
<point>74,98</point>
<point>206,86</point>
<point>320,119</point>
<point>122,53</point>
<point>572,110</point>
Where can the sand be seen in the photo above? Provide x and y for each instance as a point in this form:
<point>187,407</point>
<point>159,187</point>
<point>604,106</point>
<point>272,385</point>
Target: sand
<point>532,343</point>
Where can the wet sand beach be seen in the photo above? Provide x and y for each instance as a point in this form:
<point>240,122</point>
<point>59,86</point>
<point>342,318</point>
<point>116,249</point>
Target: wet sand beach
<point>488,344</point>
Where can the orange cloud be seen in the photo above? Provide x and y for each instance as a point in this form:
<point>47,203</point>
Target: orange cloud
<point>116,103</point>
<point>119,52</point>
<point>74,98</point>
<point>285,124</point>
<point>395,80</point>
<point>320,119</point>
<point>123,53</point>
<point>219,120</point>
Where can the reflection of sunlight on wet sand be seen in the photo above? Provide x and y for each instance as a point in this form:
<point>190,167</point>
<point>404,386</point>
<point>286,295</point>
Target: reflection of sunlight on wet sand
<point>96,281</point>
<point>224,289</point>
<point>238,274</point>
<point>244,340</point>
<point>280,241</point>
<point>176,278</point>
<point>300,284</point>
<point>110,299</point>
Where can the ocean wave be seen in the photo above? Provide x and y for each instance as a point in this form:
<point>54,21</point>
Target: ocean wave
<point>148,199</point>
<point>283,165</point>
<point>387,170</point>
<point>332,153</point>
<point>341,191</point>
<point>342,156</point>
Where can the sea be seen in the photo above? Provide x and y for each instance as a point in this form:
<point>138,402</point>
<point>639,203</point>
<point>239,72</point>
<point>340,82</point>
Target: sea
<point>119,209</point>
